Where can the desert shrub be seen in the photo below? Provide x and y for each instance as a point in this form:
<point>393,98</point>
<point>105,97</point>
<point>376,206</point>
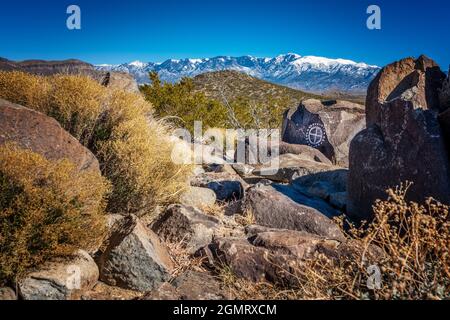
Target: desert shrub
<point>117,126</point>
<point>415,263</point>
<point>47,209</point>
<point>76,102</point>
<point>24,89</point>
<point>137,160</point>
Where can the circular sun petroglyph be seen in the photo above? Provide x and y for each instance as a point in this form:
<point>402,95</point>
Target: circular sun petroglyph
<point>315,134</point>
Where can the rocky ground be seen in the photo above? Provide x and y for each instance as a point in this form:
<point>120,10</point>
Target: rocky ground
<point>237,220</point>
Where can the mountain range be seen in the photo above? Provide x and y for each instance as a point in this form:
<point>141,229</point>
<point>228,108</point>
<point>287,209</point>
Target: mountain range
<point>308,73</point>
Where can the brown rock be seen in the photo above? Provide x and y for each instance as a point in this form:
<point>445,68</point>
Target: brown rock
<point>102,291</point>
<point>404,141</point>
<point>32,130</point>
<point>393,80</point>
<point>277,255</point>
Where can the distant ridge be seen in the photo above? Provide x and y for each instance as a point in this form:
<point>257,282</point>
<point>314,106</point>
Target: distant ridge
<point>309,73</point>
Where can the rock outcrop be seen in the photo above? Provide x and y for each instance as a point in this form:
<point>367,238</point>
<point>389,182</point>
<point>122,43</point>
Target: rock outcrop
<point>61,279</point>
<point>328,126</point>
<point>403,140</point>
<point>281,207</point>
<point>133,257</point>
<point>115,80</point>
<point>32,130</point>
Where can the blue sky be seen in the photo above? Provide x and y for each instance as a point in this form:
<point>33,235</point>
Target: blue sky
<point>116,31</point>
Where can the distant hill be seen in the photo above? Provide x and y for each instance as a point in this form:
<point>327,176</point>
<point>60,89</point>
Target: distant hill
<point>232,85</point>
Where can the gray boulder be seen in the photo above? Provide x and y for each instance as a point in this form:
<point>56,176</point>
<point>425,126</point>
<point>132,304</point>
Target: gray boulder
<point>63,279</point>
<point>133,257</point>
<point>291,167</point>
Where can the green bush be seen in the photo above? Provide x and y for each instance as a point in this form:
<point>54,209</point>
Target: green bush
<point>181,103</point>
<point>47,209</point>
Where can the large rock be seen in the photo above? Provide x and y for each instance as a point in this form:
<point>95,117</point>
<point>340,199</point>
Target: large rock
<point>133,257</point>
<point>198,197</point>
<point>282,207</point>
<point>60,279</point>
<point>413,80</point>
<point>444,93</point>
<point>187,225</point>
<point>328,126</point>
<point>32,130</point>
<point>403,141</point>
<point>121,81</point>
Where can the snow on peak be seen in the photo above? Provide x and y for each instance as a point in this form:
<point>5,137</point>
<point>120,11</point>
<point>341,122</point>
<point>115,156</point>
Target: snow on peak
<point>195,61</point>
<point>138,64</point>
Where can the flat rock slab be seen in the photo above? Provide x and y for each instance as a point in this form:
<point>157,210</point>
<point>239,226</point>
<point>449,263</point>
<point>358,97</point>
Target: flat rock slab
<point>272,208</point>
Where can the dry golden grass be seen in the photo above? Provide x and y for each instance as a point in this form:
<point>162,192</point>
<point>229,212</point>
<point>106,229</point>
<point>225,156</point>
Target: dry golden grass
<point>137,159</point>
<point>133,149</point>
<point>183,260</point>
<point>24,89</point>
<point>76,102</point>
<point>248,218</point>
<point>47,209</point>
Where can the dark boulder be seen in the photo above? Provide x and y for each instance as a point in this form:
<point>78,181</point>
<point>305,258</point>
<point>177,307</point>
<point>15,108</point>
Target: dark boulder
<point>326,126</point>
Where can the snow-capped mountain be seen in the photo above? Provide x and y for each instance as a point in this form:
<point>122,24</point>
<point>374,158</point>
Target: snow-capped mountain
<point>309,73</point>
